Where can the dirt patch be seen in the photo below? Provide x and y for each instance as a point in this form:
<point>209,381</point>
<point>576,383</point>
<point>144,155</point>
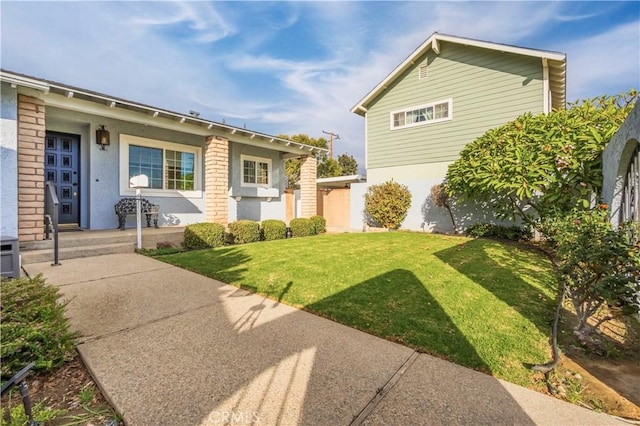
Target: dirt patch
<point>69,388</point>
<point>609,371</point>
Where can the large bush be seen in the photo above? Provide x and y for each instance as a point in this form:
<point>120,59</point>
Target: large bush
<point>244,231</point>
<point>319,224</point>
<point>273,229</point>
<point>386,205</point>
<point>34,327</point>
<point>301,227</point>
<point>538,164</point>
<point>204,235</point>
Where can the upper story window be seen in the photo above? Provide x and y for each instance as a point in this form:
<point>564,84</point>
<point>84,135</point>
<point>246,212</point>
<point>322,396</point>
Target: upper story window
<point>256,172</point>
<point>172,169</point>
<point>423,114</point>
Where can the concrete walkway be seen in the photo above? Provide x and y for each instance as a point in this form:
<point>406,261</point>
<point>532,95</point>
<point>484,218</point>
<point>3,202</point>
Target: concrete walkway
<point>170,347</point>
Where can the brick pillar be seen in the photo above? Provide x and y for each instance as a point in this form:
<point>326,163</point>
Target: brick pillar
<point>308,186</point>
<point>216,179</point>
<point>31,135</point>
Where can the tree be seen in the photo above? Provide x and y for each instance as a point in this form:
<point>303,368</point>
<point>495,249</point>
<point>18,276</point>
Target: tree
<point>292,165</point>
<point>329,168</point>
<point>387,204</point>
<point>348,165</point>
<point>596,265</point>
<point>540,164</point>
<point>440,198</point>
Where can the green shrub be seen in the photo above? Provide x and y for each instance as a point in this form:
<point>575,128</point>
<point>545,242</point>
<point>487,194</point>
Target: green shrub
<point>204,235</point>
<point>273,229</point>
<point>34,327</point>
<point>244,231</point>
<point>490,230</point>
<point>386,205</point>
<point>301,227</point>
<point>319,224</point>
<point>17,417</point>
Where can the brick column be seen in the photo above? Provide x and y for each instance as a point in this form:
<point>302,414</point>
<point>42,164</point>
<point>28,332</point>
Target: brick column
<point>216,179</point>
<point>308,186</point>
<point>31,135</point>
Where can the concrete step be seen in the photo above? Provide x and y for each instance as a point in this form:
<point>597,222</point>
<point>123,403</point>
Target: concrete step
<point>47,255</point>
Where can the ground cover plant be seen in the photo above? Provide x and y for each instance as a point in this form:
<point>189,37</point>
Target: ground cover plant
<point>480,303</point>
<point>34,328</point>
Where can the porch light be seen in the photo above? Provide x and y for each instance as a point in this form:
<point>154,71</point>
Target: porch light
<point>102,137</point>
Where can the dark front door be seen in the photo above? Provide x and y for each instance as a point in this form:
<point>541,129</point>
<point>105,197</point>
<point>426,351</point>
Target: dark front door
<point>62,167</point>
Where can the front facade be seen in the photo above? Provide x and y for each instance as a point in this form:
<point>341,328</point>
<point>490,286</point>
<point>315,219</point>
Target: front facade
<point>447,93</point>
<point>89,145</point>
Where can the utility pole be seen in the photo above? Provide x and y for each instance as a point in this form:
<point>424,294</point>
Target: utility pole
<point>331,136</point>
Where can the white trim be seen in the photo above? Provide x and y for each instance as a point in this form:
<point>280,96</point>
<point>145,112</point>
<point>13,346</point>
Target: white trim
<point>546,92</point>
<point>126,140</point>
<point>366,140</point>
<point>256,160</point>
<point>449,116</point>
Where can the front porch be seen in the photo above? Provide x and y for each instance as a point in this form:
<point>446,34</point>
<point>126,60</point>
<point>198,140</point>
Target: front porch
<point>85,243</point>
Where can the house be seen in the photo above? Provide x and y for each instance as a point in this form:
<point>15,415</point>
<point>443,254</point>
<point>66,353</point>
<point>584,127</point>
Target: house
<point>447,93</point>
<point>90,144</point>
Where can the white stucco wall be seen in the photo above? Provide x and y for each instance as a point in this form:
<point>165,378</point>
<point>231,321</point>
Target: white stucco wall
<point>615,161</point>
<point>423,215</point>
<point>253,204</point>
<point>8,161</point>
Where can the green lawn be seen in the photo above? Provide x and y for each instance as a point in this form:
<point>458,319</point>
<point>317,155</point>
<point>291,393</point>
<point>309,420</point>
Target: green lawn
<point>480,303</point>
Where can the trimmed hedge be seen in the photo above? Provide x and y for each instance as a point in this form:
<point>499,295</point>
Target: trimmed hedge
<point>273,229</point>
<point>490,230</point>
<point>244,231</point>
<point>301,227</point>
<point>204,235</point>
<point>319,224</point>
<point>34,326</point>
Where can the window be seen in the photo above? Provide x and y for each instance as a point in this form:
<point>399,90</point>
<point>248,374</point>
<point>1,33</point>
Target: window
<point>170,167</point>
<point>423,114</point>
<point>256,171</point>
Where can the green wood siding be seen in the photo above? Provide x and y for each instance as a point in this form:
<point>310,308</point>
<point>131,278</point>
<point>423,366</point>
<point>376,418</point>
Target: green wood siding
<point>488,89</point>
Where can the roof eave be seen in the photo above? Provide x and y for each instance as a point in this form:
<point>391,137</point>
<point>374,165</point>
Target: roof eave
<point>434,40</point>
<point>284,145</point>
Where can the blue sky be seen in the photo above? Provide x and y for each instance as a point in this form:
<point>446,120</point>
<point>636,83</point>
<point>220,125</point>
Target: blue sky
<point>296,67</point>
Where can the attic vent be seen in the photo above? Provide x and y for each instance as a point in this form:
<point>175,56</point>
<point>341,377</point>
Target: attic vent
<point>423,72</point>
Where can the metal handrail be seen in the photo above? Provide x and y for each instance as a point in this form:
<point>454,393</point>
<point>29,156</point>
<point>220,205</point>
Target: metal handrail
<point>52,207</point>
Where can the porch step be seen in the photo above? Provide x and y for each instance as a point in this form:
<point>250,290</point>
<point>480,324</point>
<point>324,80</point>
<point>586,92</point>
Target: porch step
<point>95,243</point>
<point>46,255</point>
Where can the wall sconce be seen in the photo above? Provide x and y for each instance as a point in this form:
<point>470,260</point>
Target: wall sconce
<point>102,137</point>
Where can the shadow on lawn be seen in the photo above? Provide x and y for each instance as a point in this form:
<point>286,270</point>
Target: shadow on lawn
<point>508,283</point>
<point>221,264</point>
<point>396,300</point>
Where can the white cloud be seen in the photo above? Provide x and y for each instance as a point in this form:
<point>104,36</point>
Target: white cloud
<point>204,22</point>
<point>608,63</point>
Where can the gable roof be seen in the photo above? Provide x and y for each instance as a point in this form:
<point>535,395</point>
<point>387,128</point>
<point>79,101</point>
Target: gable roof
<point>204,126</point>
<point>556,61</point>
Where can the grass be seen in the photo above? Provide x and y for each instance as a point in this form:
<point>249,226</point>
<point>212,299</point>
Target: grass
<point>480,303</point>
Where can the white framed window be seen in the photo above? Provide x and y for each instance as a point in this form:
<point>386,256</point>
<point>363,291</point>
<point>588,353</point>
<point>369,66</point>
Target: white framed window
<point>434,112</point>
<point>173,169</point>
<point>256,172</point>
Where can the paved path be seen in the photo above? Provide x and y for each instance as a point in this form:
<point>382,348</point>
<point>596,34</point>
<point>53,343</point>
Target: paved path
<point>170,347</point>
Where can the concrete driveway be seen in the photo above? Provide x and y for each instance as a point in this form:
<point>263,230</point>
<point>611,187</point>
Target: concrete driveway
<point>170,347</point>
